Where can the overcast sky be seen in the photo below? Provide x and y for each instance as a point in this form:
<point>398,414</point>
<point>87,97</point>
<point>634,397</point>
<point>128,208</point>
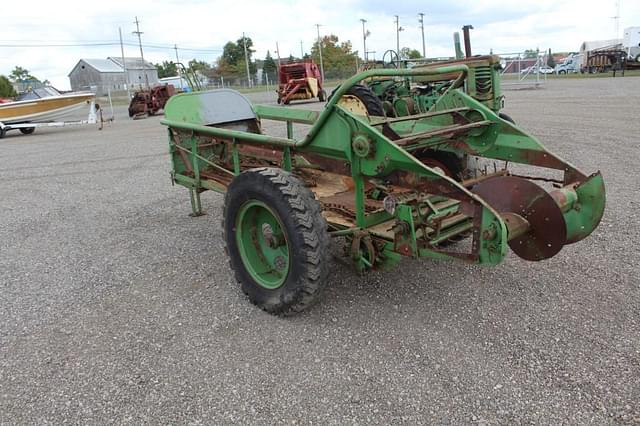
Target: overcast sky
<point>501,25</point>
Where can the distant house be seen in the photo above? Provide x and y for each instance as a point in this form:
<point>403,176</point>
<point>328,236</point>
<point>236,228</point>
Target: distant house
<point>107,75</point>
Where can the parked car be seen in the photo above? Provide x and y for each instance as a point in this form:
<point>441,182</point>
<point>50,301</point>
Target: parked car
<point>534,69</point>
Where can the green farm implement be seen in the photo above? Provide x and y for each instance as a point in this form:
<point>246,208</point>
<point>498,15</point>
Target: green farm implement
<point>446,180</point>
<point>416,94</point>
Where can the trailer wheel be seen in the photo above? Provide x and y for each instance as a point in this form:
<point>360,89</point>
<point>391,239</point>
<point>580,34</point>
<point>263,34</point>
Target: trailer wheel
<point>322,95</point>
<point>27,130</point>
<point>276,240</point>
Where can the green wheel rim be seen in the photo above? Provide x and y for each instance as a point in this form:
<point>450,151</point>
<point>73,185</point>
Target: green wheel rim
<point>263,245</point>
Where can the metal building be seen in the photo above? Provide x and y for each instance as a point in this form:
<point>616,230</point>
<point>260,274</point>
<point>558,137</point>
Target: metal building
<point>107,75</point>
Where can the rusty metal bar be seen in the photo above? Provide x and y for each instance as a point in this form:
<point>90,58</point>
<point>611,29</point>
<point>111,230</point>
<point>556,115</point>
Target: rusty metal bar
<point>441,131</point>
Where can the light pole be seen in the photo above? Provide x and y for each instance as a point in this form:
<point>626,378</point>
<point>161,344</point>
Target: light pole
<point>365,34</point>
<point>320,52</point>
<point>398,29</point>
<point>421,20</point>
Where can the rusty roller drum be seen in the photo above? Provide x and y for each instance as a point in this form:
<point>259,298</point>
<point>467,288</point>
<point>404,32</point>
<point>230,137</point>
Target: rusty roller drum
<point>537,228</point>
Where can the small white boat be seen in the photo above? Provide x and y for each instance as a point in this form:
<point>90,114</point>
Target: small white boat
<point>43,105</point>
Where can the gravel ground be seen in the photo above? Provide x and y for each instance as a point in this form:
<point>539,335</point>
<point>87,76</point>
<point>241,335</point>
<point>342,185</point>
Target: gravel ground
<point>117,307</point>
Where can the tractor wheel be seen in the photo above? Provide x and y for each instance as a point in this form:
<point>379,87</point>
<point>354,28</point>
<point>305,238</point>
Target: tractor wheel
<point>27,130</point>
<point>369,100</point>
<point>447,163</point>
<point>322,95</point>
<point>506,117</point>
<point>276,239</point>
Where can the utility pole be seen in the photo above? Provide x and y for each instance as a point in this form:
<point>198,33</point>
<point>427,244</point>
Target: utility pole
<point>124,67</point>
<point>421,20</point>
<point>175,47</point>
<point>301,50</point>
<point>320,51</point>
<point>617,19</point>
<point>246,59</point>
<point>398,29</point>
<point>364,39</point>
<point>278,53</point>
<point>144,66</point>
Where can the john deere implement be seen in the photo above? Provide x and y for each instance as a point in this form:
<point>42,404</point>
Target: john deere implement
<point>393,187</point>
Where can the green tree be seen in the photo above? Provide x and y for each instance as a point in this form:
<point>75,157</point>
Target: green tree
<point>531,53</point>
<point>233,58</point>
<point>408,53</point>
<point>167,69</point>
<point>21,75</point>
<point>337,57</point>
<point>200,66</point>
<point>269,67</point>
<point>6,88</point>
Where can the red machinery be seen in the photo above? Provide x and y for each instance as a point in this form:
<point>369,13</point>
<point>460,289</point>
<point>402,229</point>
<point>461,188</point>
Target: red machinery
<point>149,101</point>
<point>300,80</point>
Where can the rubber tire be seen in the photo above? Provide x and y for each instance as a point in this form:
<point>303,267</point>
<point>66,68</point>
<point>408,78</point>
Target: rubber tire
<point>562,72</point>
<point>322,96</point>
<point>3,133</point>
<point>452,163</point>
<point>306,230</point>
<point>506,117</point>
<point>638,57</point>
<point>27,130</point>
<point>372,103</point>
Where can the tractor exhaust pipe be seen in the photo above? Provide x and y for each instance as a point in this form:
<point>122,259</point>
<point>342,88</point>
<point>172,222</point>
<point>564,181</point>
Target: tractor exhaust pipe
<point>467,40</point>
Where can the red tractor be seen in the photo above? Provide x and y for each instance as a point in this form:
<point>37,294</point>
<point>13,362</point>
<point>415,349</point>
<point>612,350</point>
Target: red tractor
<point>149,101</point>
<point>300,80</point>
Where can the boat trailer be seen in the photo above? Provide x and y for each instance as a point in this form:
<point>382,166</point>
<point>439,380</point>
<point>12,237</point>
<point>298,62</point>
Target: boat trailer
<point>28,128</point>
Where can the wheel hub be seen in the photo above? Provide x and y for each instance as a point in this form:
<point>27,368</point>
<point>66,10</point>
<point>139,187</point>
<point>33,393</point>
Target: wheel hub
<point>262,244</point>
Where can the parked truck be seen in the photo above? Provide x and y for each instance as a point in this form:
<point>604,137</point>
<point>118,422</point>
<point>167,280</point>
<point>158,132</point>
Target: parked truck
<point>604,60</point>
<point>571,64</point>
<point>631,43</point>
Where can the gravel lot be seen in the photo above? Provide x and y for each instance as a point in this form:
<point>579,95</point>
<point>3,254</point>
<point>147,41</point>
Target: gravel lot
<point>117,307</point>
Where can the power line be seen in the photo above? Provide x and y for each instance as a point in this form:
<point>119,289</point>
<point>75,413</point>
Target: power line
<point>34,44</point>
